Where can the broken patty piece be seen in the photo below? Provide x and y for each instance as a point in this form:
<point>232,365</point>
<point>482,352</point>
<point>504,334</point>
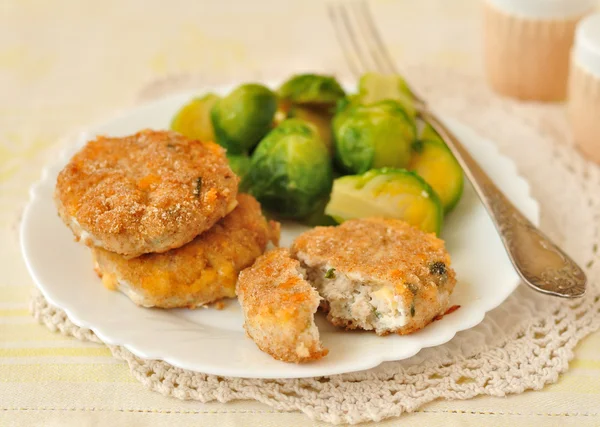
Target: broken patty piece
<point>377,274</point>
<point>279,307</point>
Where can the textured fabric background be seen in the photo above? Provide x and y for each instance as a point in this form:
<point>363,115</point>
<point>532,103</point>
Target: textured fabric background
<point>66,64</point>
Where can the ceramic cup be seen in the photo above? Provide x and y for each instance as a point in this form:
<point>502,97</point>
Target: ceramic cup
<point>527,45</point>
<point>584,87</point>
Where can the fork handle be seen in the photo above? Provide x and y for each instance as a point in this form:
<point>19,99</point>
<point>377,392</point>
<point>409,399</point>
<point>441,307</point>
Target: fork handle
<point>539,262</point>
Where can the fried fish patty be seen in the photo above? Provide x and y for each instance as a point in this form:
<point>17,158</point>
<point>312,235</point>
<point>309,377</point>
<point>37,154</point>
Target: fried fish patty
<point>279,308</point>
<point>200,272</point>
<point>148,192</point>
<point>377,274</point>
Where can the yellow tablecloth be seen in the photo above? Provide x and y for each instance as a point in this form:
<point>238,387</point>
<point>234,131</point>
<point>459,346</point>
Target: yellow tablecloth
<point>64,64</point>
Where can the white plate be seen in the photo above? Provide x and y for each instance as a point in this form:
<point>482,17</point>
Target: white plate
<point>212,341</point>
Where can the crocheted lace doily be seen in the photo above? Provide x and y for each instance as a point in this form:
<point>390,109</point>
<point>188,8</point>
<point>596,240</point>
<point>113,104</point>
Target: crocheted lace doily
<point>524,344</point>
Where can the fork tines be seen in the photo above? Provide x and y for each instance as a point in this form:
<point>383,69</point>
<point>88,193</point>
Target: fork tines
<point>359,38</point>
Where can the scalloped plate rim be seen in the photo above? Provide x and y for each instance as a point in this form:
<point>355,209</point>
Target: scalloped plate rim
<point>77,314</point>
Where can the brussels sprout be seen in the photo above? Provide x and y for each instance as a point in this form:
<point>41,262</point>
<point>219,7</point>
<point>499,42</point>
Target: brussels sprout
<point>318,216</point>
<point>345,103</point>
<point>290,170</point>
<point>243,117</point>
<point>373,136</point>
<point>296,126</point>
<point>240,165</point>
<point>311,89</point>
<point>430,134</point>
<point>318,117</point>
<point>386,192</point>
<point>373,87</point>
<point>283,109</point>
<point>434,162</point>
<point>193,119</point>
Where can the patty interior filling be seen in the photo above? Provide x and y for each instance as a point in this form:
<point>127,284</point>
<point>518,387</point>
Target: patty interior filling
<point>358,302</point>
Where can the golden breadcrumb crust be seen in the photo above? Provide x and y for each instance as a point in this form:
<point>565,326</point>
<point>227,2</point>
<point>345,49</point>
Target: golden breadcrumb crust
<point>379,253</point>
<point>279,307</point>
<point>200,272</point>
<point>148,192</point>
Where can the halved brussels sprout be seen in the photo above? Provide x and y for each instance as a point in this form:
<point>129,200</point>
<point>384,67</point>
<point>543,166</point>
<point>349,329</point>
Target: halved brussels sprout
<point>434,162</point>
<point>243,117</point>
<point>386,192</point>
<point>291,170</point>
<point>193,119</point>
<point>373,136</point>
<point>318,117</point>
<point>311,89</point>
<point>374,87</point>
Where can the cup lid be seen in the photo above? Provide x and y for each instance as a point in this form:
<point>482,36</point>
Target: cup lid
<point>545,9</point>
<point>587,44</point>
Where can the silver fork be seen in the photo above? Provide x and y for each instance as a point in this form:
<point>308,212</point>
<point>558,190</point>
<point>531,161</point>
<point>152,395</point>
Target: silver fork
<point>539,262</point>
